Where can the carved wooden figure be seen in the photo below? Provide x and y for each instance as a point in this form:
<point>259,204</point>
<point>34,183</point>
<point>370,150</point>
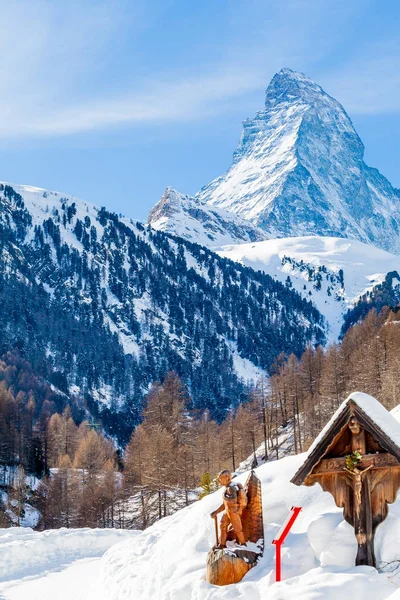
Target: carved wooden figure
<point>234,501</point>
<point>357,459</point>
<point>242,521</point>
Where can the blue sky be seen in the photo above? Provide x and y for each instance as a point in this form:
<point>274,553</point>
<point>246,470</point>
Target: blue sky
<point>113,100</point>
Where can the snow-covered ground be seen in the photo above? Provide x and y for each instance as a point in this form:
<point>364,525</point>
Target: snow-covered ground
<point>363,265</point>
<point>167,561</point>
<point>54,564</point>
<point>74,581</point>
<point>30,516</point>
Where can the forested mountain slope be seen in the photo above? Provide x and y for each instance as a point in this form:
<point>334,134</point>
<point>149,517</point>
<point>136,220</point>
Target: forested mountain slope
<point>386,293</point>
<point>102,307</point>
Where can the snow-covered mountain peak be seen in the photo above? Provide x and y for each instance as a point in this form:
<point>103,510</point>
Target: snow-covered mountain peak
<point>293,88</point>
<point>169,205</point>
<point>299,170</point>
<point>192,219</point>
<point>288,84</point>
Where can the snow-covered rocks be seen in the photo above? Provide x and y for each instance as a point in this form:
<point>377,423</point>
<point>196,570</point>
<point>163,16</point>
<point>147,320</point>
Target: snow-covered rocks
<point>199,222</point>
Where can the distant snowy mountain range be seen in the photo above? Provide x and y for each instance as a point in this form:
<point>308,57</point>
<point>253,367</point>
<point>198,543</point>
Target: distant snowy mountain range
<point>319,214</point>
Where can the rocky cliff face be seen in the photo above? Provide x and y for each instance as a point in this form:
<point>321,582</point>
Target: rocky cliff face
<point>199,222</point>
<point>299,170</point>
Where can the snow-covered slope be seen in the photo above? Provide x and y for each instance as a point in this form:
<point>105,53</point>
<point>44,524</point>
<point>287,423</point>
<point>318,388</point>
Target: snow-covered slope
<point>198,222</point>
<point>167,561</point>
<point>314,266</point>
<point>299,170</point>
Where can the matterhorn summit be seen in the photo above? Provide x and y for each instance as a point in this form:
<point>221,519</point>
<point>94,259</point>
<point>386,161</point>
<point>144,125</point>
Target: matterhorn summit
<point>299,170</point>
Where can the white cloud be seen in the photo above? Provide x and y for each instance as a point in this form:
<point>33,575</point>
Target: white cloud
<point>57,76</point>
<point>190,98</point>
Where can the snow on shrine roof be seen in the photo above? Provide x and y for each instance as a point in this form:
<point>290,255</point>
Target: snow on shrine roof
<point>370,412</point>
<point>373,409</point>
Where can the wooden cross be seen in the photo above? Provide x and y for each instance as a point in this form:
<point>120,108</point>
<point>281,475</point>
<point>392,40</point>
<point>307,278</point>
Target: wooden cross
<point>363,493</point>
<point>365,484</point>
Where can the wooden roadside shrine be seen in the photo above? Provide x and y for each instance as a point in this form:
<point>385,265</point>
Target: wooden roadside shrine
<point>226,565</point>
<point>356,458</point>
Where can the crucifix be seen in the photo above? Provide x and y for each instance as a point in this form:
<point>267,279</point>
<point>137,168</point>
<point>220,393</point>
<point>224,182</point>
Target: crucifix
<point>359,464</point>
<point>357,484</point>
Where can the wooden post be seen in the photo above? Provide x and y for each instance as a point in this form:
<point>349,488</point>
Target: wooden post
<point>216,530</point>
<point>363,528</point>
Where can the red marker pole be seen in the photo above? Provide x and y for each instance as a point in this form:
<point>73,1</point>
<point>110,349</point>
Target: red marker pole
<point>277,562</point>
<point>280,538</point>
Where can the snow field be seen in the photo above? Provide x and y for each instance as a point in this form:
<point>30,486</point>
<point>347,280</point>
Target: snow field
<point>364,266</point>
<point>67,582</point>
<point>25,552</point>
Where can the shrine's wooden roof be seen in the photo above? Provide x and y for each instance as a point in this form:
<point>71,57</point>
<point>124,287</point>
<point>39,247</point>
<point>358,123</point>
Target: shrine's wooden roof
<point>370,413</point>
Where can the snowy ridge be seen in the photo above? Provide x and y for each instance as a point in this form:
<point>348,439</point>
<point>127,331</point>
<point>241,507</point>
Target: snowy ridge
<point>299,170</point>
<point>196,221</point>
<point>313,265</point>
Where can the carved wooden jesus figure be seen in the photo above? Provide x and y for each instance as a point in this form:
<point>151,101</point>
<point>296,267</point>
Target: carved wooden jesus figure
<point>358,441</point>
<point>363,487</point>
<point>356,482</point>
